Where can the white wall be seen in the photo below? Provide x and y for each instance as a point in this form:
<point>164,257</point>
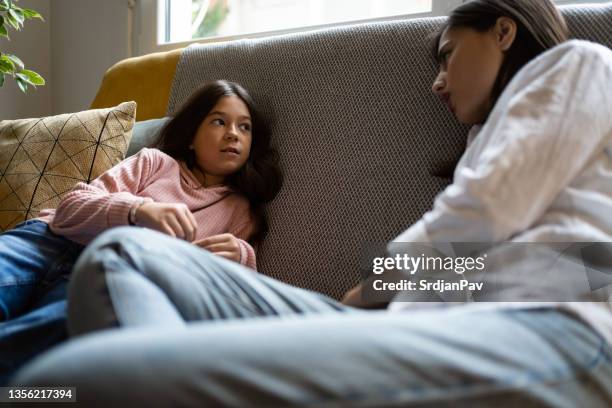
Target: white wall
<point>72,49</point>
<point>33,46</point>
<point>87,38</point>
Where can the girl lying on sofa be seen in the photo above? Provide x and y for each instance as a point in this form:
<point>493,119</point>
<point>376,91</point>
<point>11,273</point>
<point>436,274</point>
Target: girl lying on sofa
<point>203,184</point>
<point>202,331</point>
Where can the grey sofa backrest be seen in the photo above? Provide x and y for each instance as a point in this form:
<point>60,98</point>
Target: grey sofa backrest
<point>364,144</point>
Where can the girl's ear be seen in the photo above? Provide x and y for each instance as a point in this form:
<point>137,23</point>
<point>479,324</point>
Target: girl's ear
<point>505,32</point>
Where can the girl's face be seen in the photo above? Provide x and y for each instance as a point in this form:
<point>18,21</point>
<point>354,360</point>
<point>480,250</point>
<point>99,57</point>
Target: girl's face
<point>469,64</point>
<point>222,143</point>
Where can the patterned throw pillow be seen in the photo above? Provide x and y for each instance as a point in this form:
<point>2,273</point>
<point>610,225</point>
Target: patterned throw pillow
<point>42,159</point>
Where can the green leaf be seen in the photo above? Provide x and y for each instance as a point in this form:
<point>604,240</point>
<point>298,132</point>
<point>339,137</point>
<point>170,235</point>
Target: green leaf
<point>4,5</point>
<point>23,77</point>
<point>22,84</point>
<point>6,67</point>
<point>3,32</point>
<point>29,13</point>
<point>5,61</point>
<point>12,22</point>
<point>16,61</point>
<point>33,77</point>
<point>1,80</point>
<point>17,14</point>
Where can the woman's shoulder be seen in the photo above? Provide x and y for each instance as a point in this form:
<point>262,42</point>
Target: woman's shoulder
<point>583,47</point>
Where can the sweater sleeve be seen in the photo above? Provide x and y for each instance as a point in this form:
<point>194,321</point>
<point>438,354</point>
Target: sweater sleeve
<point>89,209</point>
<point>554,117</point>
<point>247,254</point>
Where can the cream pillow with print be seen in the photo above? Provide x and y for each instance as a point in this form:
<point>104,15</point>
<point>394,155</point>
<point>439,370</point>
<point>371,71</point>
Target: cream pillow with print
<point>42,159</point>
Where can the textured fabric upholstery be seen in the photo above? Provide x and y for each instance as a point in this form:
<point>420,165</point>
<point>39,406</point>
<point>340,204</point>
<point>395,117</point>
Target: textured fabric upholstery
<point>364,144</point>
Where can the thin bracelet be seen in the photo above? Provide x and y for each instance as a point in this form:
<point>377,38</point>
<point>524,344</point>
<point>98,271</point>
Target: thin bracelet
<point>132,213</point>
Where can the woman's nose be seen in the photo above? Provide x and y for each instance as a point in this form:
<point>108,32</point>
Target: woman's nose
<point>439,84</point>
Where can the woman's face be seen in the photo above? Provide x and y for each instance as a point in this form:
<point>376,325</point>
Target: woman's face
<point>469,64</point>
<point>222,143</point>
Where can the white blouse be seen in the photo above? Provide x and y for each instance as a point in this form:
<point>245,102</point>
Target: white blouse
<point>538,170</point>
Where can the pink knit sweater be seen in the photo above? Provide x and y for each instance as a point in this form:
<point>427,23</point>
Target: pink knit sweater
<point>89,209</point>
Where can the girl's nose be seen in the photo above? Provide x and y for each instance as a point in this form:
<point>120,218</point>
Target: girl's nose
<point>439,84</point>
<point>232,133</point>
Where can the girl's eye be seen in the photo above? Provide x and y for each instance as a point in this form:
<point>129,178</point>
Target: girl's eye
<point>218,122</point>
<point>246,127</point>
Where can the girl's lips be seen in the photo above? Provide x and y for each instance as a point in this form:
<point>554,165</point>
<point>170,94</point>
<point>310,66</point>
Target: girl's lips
<point>231,150</point>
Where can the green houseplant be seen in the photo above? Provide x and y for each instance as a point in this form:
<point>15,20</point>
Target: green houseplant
<point>13,16</point>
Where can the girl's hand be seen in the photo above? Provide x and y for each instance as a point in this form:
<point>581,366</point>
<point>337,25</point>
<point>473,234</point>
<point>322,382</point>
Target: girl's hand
<point>173,219</point>
<point>225,245</point>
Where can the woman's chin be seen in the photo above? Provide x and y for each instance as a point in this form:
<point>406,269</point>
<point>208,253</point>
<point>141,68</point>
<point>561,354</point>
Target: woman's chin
<point>468,119</point>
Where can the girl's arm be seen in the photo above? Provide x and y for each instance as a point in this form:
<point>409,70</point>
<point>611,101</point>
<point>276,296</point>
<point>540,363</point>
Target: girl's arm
<point>106,202</point>
<point>553,118</point>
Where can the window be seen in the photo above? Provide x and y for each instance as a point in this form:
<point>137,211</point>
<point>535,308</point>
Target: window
<point>180,22</point>
<point>194,19</point>
<point>168,24</point>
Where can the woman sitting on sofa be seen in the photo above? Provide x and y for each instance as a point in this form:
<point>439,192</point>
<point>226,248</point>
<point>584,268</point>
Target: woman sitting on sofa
<point>199,330</point>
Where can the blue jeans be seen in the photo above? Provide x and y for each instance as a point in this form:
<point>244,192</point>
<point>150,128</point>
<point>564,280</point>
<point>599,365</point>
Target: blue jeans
<point>198,330</point>
<point>34,265</point>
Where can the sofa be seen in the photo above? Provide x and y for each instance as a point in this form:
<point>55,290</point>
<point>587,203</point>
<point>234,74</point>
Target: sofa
<point>364,144</point>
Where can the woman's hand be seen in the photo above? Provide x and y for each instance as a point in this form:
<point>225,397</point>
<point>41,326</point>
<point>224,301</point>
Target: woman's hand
<point>353,296</point>
<point>173,219</point>
<point>225,245</point>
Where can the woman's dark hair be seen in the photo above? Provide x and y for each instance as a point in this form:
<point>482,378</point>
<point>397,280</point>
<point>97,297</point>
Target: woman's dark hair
<point>260,179</point>
<point>539,27</point>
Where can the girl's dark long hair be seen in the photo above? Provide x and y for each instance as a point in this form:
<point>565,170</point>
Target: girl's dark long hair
<point>539,24</point>
<point>260,179</point>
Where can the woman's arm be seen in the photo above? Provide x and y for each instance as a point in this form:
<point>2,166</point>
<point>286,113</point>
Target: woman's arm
<point>91,208</point>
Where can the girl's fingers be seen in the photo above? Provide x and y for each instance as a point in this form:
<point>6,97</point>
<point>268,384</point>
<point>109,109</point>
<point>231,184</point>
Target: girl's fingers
<point>224,246</point>
<point>214,239</point>
<point>227,255</point>
<point>227,248</point>
<point>186,226</point>
<point>176,227</point>
<point>193,223</point>
<point>166,229</point>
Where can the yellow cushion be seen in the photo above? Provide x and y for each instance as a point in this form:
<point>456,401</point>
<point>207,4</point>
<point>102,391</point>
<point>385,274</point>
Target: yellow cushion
<point>146,80</point>
<point>42,159</point>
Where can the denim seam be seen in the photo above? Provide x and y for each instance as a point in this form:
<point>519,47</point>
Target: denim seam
<point>18,282</point>
<point>505,385</point>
